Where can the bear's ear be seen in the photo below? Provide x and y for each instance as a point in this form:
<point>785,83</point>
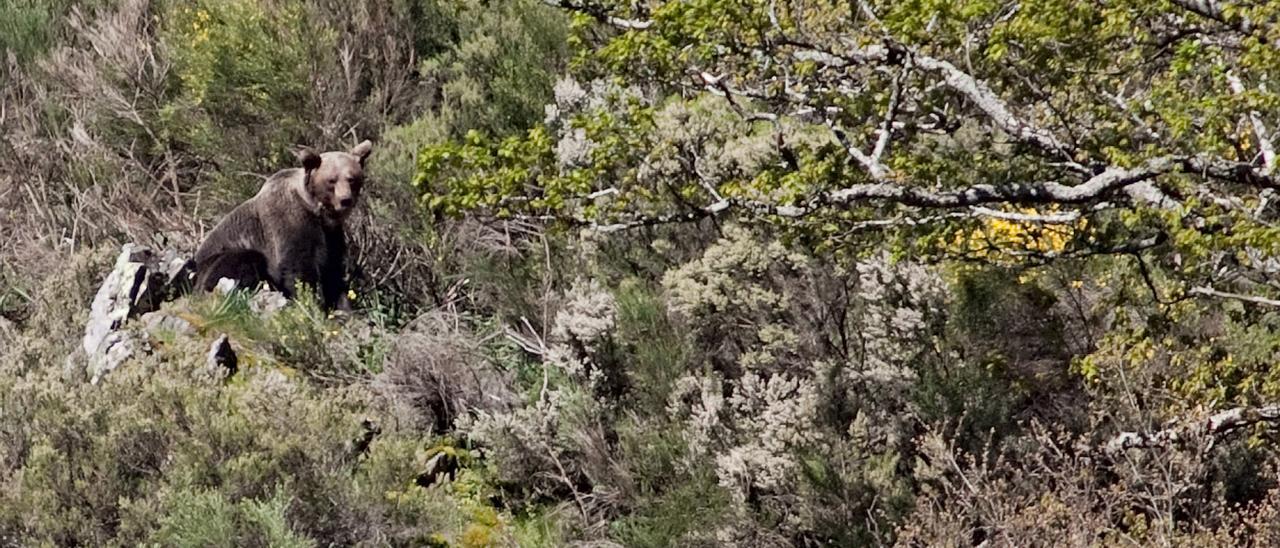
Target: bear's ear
<point>362,150</point>
<point>308,158</point>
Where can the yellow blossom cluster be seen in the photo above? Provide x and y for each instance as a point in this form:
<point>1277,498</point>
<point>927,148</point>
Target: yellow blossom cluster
<point>994,237</point>
<point>199,26</point>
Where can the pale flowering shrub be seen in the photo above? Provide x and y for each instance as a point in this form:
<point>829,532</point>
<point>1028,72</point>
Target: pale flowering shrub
<point>779,412</point>
<point>698,404</point>
<point>805,428</point>
<point>552,448</point>
<point>780,409</point>
<point>581,333</point>
<point>574,149</point>
<point>734,299</point>
<point>904,301</point>
<point>553,445</point>
<point>587,316</point>
<point>522,444</point>
<point>568,93</point>
<point>746,471</point>
<point>571,99</point>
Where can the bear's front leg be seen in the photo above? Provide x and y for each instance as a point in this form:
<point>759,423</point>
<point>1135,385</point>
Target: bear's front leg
<point>291,276</point>
<point>335,295</point>
<point>333,275</point>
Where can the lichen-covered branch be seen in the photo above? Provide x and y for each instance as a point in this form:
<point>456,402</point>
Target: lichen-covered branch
<point>1259,127</point>
<point>1206,431</point>
<point>600,14</point>
<point>974,197</point>
<point>1094,188</point>
<point>1211,292</point>
<point>1211,9</point>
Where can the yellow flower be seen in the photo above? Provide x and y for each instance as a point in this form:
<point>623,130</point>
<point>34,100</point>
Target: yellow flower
<point>1077,284</point>
<point>351,294</point>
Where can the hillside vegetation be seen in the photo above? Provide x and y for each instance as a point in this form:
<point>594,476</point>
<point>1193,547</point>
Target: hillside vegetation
<point>656,273</point>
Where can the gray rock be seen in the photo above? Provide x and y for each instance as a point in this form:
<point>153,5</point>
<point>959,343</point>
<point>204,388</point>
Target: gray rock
<point>179,272</point>
<point>222,358</point>
<point>125,287</point>
<point>267,302</point>
<point>140,280</point>
<point>224,286</point>
<point>155,322</point>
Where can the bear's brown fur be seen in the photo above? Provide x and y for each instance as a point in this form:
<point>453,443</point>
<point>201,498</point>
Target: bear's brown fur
<point>291,231</point>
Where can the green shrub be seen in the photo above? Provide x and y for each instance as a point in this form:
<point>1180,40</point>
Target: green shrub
<point>207,518</point>
<point>29,28</point>
<point>242,78</point>
<point>161,440</point>
<point>654,351</point>
<point>25,28</point>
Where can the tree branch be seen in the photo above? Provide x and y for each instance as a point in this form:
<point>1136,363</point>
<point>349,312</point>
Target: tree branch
<point>1211,292</point>
<point>1215,426</point>
<point>1028,193</point>
<point>972,198</point>
<point>1212,9</point>
<point>1051,218</point>
<point>1259,128</point>
<point>976,90</point>
<point>998,110</point>
<point>600,14</point>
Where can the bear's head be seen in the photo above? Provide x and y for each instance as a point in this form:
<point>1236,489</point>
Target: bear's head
<point>334,179</point>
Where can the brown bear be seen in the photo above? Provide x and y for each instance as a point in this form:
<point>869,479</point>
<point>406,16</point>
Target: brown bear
<point>291,231</point>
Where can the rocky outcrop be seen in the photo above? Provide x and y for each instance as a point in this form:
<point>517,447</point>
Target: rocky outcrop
<point>140,280</point>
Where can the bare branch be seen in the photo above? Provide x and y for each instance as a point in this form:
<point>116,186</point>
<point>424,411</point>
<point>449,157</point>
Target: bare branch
<point>998,110</point>
<point>1259,128</point>
<point>1051,218</point>
<point>1212,9</point>
<point>966,84</point>
<point>877,170</point>
<point>600,14</point>
<point>854,56</point>
<point>1211,292</point>
<point>1047,192</point>
<point>1148,193</point>
<point>1094,189</point>
<point>1209,430</point>
<point>891,113</point>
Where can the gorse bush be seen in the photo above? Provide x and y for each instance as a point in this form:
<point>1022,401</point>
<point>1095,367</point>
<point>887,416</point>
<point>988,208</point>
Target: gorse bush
<point>240,70</point>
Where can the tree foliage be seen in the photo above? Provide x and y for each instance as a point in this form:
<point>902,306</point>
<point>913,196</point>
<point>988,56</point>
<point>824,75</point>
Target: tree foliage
<point>1125,122</point>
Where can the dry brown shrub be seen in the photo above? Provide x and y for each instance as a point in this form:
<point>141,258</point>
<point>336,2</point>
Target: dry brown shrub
<point>436,372</point>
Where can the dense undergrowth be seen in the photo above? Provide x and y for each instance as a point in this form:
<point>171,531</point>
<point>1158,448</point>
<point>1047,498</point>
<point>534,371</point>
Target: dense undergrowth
<point>510,381</point>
